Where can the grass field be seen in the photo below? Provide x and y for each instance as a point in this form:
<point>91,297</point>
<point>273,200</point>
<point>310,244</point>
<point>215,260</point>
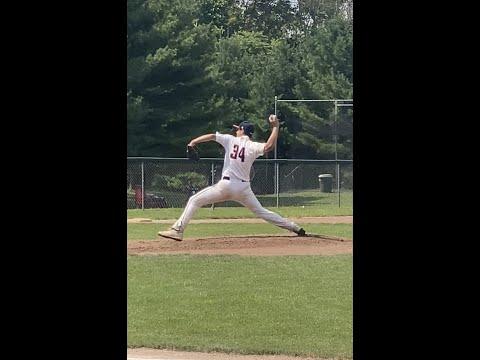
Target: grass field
<point>277,305</point>
<point>308,198</point>
<point>293,305</point>
<point>149,231</point>
<point>240,212</point>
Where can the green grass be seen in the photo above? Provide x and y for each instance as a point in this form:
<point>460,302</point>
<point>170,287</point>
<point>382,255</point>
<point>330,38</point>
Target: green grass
<point>269,305</point>
<point>149,231</point>
<point>238,212</point>
<point>307,198</point>
<point>241,212</point>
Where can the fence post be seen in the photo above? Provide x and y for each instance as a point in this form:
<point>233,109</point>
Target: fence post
<point>213,180</point>
<point>336,155</point>
<point>277,183</point>
<point>143,187</point>
<point>338,182</point>
<point>276,163</point>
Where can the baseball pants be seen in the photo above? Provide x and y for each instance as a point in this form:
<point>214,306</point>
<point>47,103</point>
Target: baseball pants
<point>234,190</point>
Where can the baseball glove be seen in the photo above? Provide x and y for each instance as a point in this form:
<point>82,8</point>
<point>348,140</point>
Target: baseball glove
<point>192,153</point>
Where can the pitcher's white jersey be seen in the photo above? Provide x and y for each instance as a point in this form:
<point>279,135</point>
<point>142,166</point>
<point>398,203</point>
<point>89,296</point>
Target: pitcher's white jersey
<point>240,153</point>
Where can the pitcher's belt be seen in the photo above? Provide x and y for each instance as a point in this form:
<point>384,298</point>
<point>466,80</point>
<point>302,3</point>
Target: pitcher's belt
<point>228,178</point>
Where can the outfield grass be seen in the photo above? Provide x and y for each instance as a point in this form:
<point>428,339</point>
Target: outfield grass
<point>271,305</point>
<point>306,203</point>
<point>240,212</point>
<point>307,198</point>
<point>149,231</point>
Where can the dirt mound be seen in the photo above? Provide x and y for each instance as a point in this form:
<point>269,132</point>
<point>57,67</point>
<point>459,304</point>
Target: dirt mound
<point>266,245</point>
<point>154,354</point>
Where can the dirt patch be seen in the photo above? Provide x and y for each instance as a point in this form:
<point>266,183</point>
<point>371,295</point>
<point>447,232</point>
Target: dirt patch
<point>265,245</point>
<point>302,220</point>
<point>156,354</point>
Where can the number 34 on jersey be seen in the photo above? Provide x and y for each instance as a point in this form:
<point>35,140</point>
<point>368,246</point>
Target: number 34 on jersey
<point>238,154</point>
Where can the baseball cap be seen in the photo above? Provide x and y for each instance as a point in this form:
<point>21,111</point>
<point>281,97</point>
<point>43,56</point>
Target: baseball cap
<point>247,127</point>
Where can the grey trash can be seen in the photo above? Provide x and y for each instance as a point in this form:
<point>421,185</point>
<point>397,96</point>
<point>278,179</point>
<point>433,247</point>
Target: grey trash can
<point>326,182</point>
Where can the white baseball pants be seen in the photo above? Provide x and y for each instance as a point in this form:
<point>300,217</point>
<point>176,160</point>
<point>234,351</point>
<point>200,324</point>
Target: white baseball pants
<point>235,190</point>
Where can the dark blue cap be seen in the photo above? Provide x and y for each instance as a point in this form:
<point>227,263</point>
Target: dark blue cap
<point>246,127</point>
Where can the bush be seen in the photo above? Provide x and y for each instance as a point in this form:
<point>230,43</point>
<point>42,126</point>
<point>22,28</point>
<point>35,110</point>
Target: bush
<point>185,182</point>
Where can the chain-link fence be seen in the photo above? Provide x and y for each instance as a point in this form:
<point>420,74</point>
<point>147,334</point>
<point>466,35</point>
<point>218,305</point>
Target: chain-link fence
<point>325,124</point>
<point>323,128</point>
<point>169,182</point>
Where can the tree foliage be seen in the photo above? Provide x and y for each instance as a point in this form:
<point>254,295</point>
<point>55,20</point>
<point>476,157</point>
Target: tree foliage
<point>198,66</point>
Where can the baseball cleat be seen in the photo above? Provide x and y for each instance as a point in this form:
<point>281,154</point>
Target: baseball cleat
<point>300,232</point>
<point>172,234</point>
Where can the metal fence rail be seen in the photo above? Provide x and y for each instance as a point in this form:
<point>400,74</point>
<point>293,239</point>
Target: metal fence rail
<point>169,182</point>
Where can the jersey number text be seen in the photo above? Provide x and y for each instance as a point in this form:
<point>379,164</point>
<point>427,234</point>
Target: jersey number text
<point>240,154</point>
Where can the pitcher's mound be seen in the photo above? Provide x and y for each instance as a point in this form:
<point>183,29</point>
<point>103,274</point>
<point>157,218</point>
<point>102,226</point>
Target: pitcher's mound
<point>265,245</point>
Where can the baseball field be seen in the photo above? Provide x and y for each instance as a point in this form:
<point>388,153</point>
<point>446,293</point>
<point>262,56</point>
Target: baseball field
<point>239,286</point>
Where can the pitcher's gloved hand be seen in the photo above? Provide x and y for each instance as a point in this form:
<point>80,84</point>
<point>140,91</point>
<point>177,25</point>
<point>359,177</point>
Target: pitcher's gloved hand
<point>192,153</point>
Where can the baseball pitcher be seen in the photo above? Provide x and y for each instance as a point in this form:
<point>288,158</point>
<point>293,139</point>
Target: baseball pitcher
<point>240,153</point>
